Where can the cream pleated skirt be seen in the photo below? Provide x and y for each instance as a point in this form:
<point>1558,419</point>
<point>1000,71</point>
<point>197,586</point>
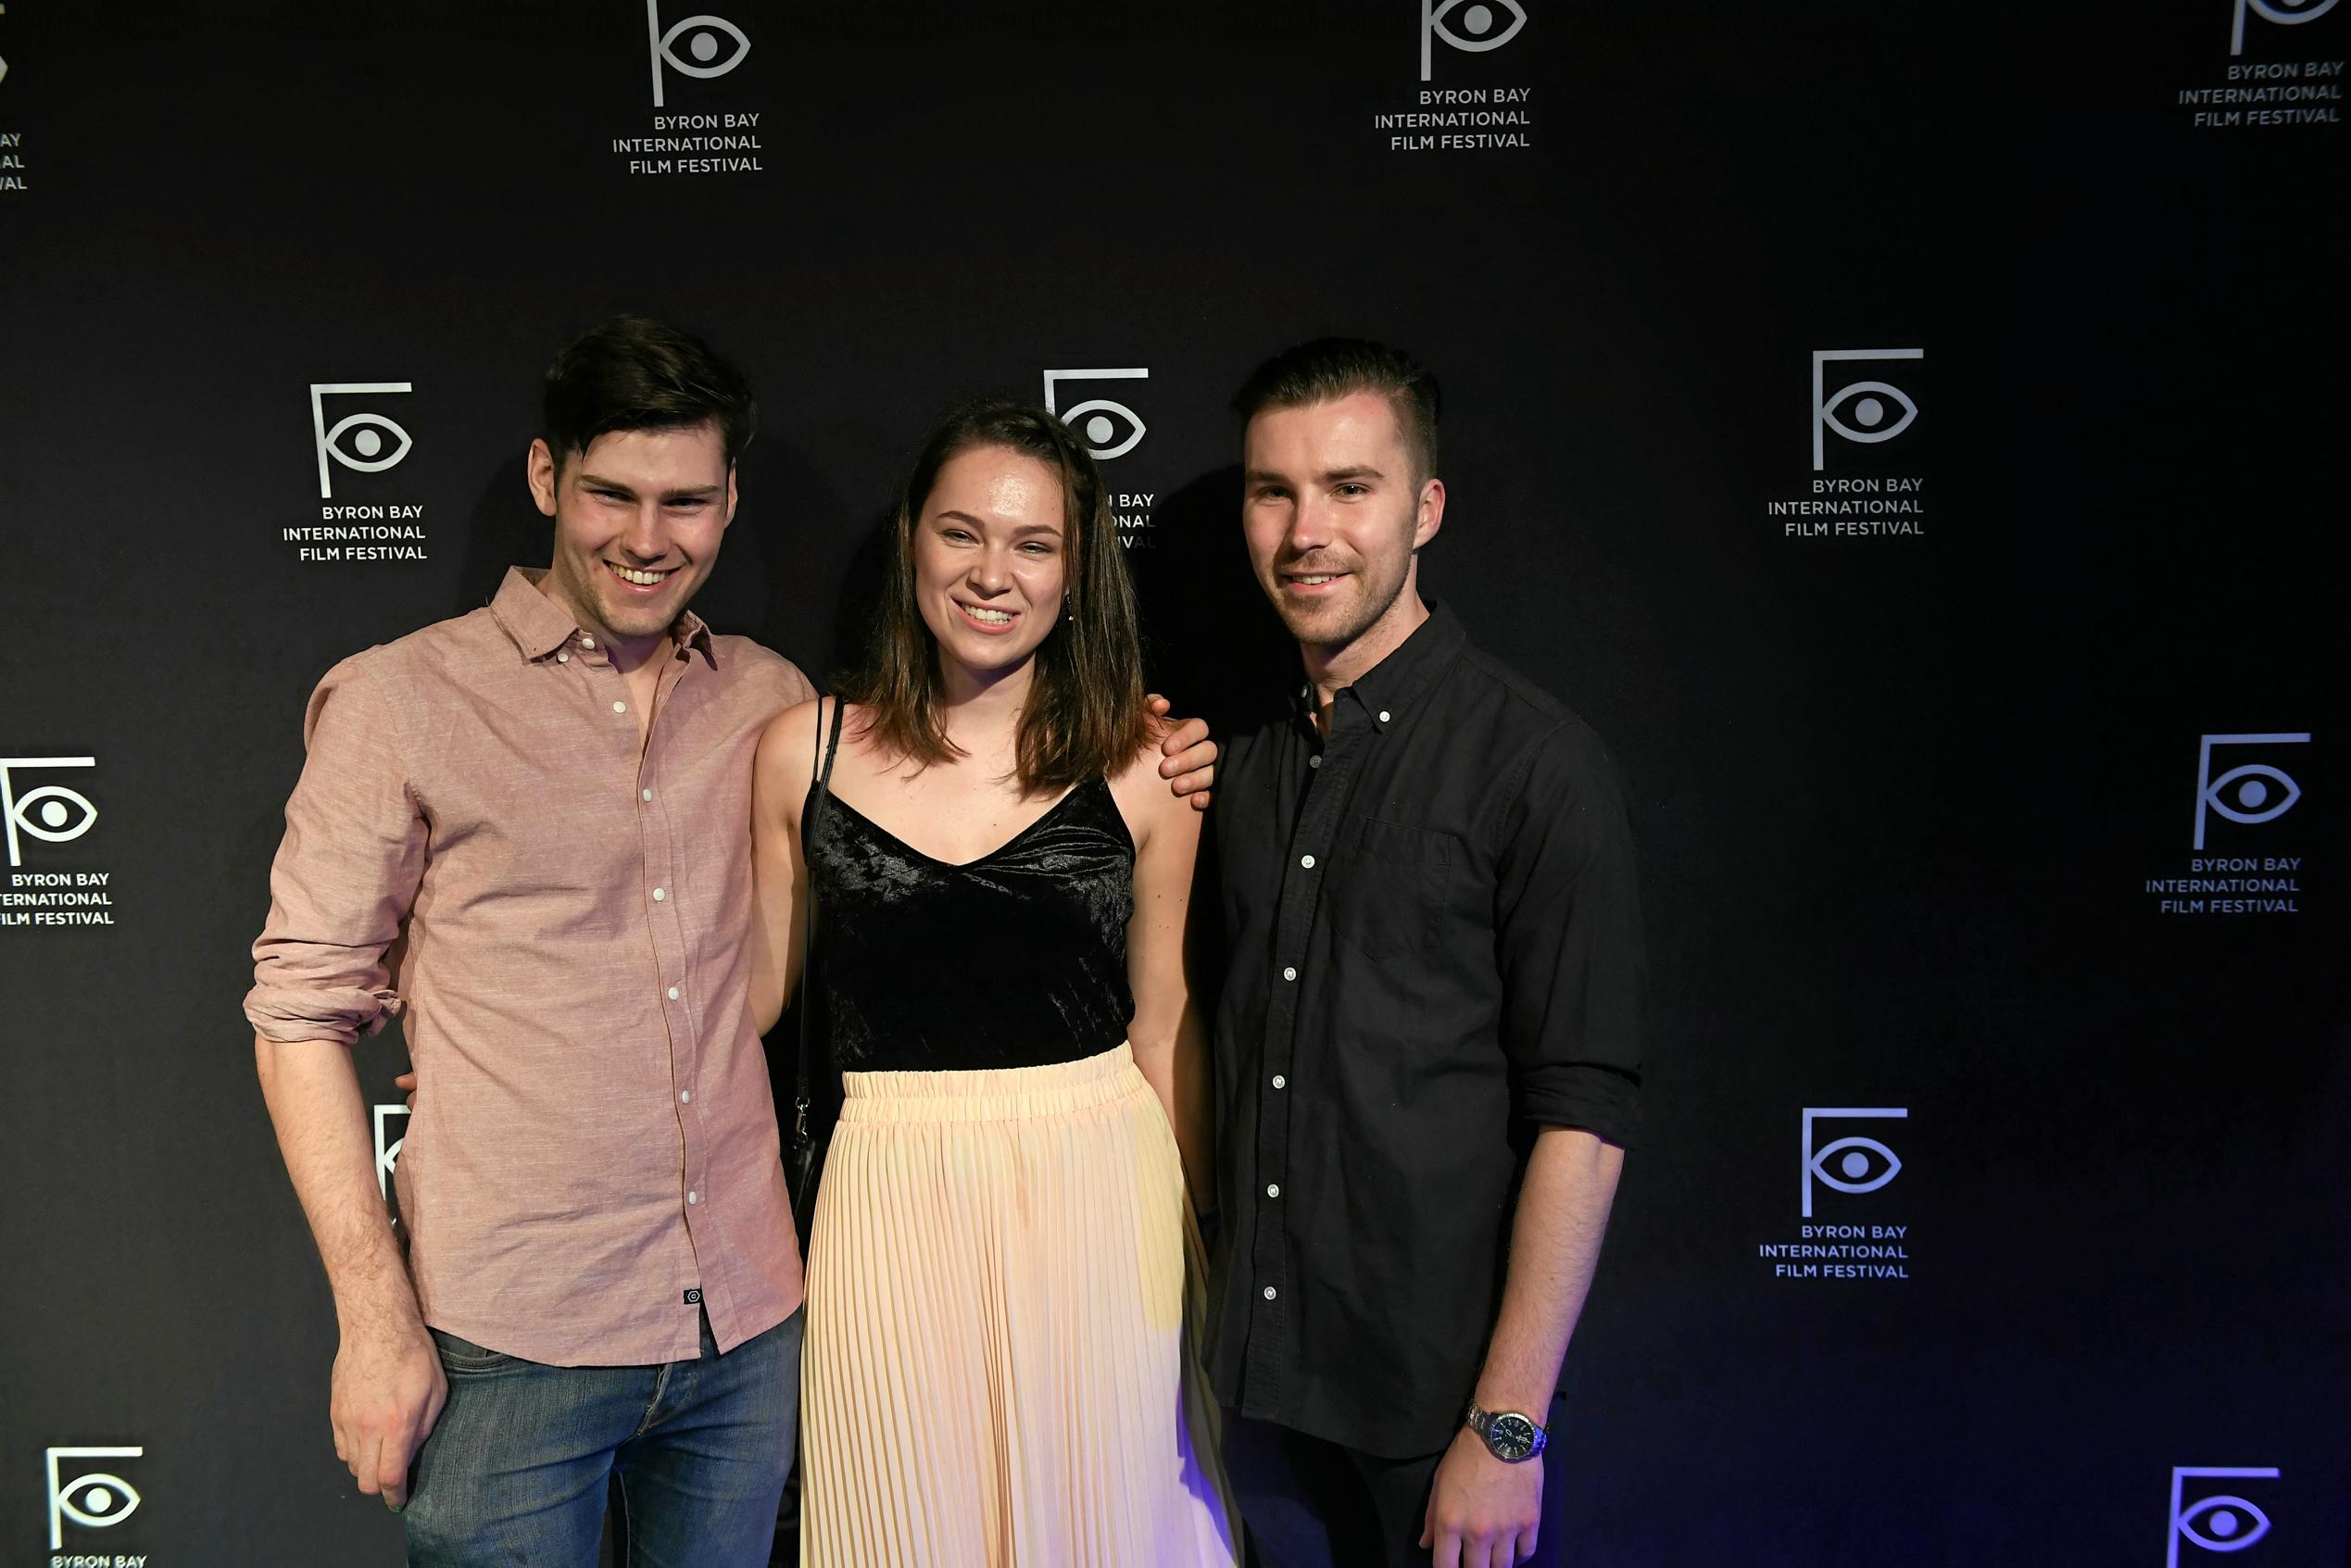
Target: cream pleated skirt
<point>1003,1284</point>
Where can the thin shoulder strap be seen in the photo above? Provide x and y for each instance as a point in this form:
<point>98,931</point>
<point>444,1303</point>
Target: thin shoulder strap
<point>830,748</point>
<point>826,750</point>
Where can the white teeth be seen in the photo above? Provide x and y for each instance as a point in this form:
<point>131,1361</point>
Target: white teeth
<point>1311,582</point>
<point>642,578</point>
<point>990,616</point>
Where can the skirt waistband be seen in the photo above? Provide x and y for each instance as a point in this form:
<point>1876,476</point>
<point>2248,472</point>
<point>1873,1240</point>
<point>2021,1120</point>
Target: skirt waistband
<point>993,1094</point>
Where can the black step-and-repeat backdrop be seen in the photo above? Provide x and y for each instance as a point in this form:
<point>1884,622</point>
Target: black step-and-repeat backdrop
<point>1913,435</point>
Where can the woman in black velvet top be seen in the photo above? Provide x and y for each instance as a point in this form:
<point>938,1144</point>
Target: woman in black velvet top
<point>996,1369</point>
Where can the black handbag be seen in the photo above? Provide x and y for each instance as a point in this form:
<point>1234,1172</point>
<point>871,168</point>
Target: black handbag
<point>805,1167</point>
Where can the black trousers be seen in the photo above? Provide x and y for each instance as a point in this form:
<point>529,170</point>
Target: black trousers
<point>1312,1503</point>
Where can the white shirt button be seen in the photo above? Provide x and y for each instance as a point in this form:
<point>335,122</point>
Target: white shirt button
<point>1269,1293</point>
<point>686,1097</point>
<point>672,992</point>
<point>645,794</point>
<point>1315,760</point>
<point>692,1198</point>
<point>1280,1081</point>
<point>1273,1189</point>
<point>564,656</point>
<point>1289,973</point>
<point>619,707</point>
<point>1383,715</point>
<point>1306,860</point>
<point>659,894</point>
<point>587,642</point>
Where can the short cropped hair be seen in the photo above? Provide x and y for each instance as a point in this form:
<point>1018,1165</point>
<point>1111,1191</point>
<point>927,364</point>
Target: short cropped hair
<point>1332,368</point>
<point>635,373</point>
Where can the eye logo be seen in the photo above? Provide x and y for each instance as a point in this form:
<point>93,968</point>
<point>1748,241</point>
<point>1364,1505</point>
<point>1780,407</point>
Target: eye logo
<point>56,805</point>
<point>702,45</point>
<point>1091,420</point>
<point>1478,21</point>
<point>1868,398</point>
<point>1844,1165</point>
<point>2219,1522</point>
<point>94,1500</point>
<point>2294,13</point>
<point>2243,794</point>
<point>367,437</point>
<point>387,1155</point>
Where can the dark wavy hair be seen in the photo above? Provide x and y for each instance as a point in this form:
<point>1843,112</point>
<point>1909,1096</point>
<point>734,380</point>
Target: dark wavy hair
<point>632,373</point>
<point>1084,716</point>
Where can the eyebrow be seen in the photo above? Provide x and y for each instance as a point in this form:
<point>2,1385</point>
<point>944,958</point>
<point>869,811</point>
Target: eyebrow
<point>1024,528</point>
<point>683,493</point>
<point>1328,476</point>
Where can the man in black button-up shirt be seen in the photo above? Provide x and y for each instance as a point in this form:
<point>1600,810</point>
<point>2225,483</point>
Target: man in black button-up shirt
<point>1428,1047</point>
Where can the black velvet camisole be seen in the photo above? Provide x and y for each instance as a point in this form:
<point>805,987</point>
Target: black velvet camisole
<point>1015,960</point>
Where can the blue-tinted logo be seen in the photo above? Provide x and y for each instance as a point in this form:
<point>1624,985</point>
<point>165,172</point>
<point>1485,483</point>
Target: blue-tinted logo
<point>2217,1520</point>
<point>2251,793</point>
<point>1849,1165</point>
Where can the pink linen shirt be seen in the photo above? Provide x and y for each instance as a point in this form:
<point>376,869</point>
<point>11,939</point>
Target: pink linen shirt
<point>561,919</point>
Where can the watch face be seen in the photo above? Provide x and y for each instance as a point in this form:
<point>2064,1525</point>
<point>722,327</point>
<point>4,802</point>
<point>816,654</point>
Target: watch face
<point>1510,1437</point>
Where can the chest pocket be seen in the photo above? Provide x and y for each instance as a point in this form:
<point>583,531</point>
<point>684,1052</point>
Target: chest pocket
<point>1387,889</point>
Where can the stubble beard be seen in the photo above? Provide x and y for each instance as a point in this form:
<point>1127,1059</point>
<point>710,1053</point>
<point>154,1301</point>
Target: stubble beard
<point>1323,628</point>
<point>590,605</point>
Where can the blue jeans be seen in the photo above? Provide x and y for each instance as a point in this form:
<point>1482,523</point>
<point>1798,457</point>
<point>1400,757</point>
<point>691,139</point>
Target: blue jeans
<point>518,1467</point>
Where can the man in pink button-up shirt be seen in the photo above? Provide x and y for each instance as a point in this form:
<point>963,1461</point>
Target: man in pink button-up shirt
<point>525,831</point>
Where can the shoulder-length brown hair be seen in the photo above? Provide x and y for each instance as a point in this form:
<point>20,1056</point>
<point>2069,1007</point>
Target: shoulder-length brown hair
<point>1084,716</point>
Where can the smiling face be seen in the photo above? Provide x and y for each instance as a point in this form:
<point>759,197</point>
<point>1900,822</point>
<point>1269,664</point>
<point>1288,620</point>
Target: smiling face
<point>991,557</point>
<point>1333,508</point>
<point>638,517</point>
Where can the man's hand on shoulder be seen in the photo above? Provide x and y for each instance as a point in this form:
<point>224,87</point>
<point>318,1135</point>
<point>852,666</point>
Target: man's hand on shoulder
<point>387,1392</point>
<point>1482,1513</point>
<point>1187,756</point>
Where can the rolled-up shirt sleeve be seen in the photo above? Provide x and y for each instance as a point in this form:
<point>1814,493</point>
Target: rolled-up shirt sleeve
<point>1568,937</point>
<point>345,872</point>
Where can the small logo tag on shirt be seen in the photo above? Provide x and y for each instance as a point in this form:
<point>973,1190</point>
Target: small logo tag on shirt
<point>693,1298</point>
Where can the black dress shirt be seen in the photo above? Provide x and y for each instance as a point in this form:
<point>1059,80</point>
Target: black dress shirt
<point>1434,948</point>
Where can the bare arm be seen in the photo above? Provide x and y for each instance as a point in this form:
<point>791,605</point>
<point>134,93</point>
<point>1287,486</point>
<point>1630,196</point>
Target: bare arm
<point>1477,1504</point>
<point>782,772</point>
<point>1169,1036</point>
<point>388,1388</point>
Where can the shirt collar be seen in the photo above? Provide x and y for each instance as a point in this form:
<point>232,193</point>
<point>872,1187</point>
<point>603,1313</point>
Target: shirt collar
<point>538,625</point>
<point>1388,688</point>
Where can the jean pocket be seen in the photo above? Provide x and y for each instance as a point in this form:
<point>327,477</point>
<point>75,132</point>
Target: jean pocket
<point>464,1358</point>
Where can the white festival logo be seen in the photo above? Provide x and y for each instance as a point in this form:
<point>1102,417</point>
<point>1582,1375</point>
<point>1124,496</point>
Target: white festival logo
<point>2293,15</point>
<point>1869,406</point>
<point>1099,431</point>
<point>365,453</point>
<point>1853,1153</point>
<point>387,1155</point>
<point>94,1500</point>
<point>703,46</point>
<point>55,807</point>
<point>1477,36</point>
<point>2219,1523</point>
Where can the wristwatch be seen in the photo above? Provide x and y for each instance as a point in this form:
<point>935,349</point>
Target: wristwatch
<point>1509,1437</point>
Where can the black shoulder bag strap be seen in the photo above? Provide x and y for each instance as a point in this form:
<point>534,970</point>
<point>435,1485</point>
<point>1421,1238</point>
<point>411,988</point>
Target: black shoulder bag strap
<point>807,1149</point>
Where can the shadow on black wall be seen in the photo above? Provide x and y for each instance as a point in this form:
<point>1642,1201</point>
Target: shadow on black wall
<point>1211,642</point>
